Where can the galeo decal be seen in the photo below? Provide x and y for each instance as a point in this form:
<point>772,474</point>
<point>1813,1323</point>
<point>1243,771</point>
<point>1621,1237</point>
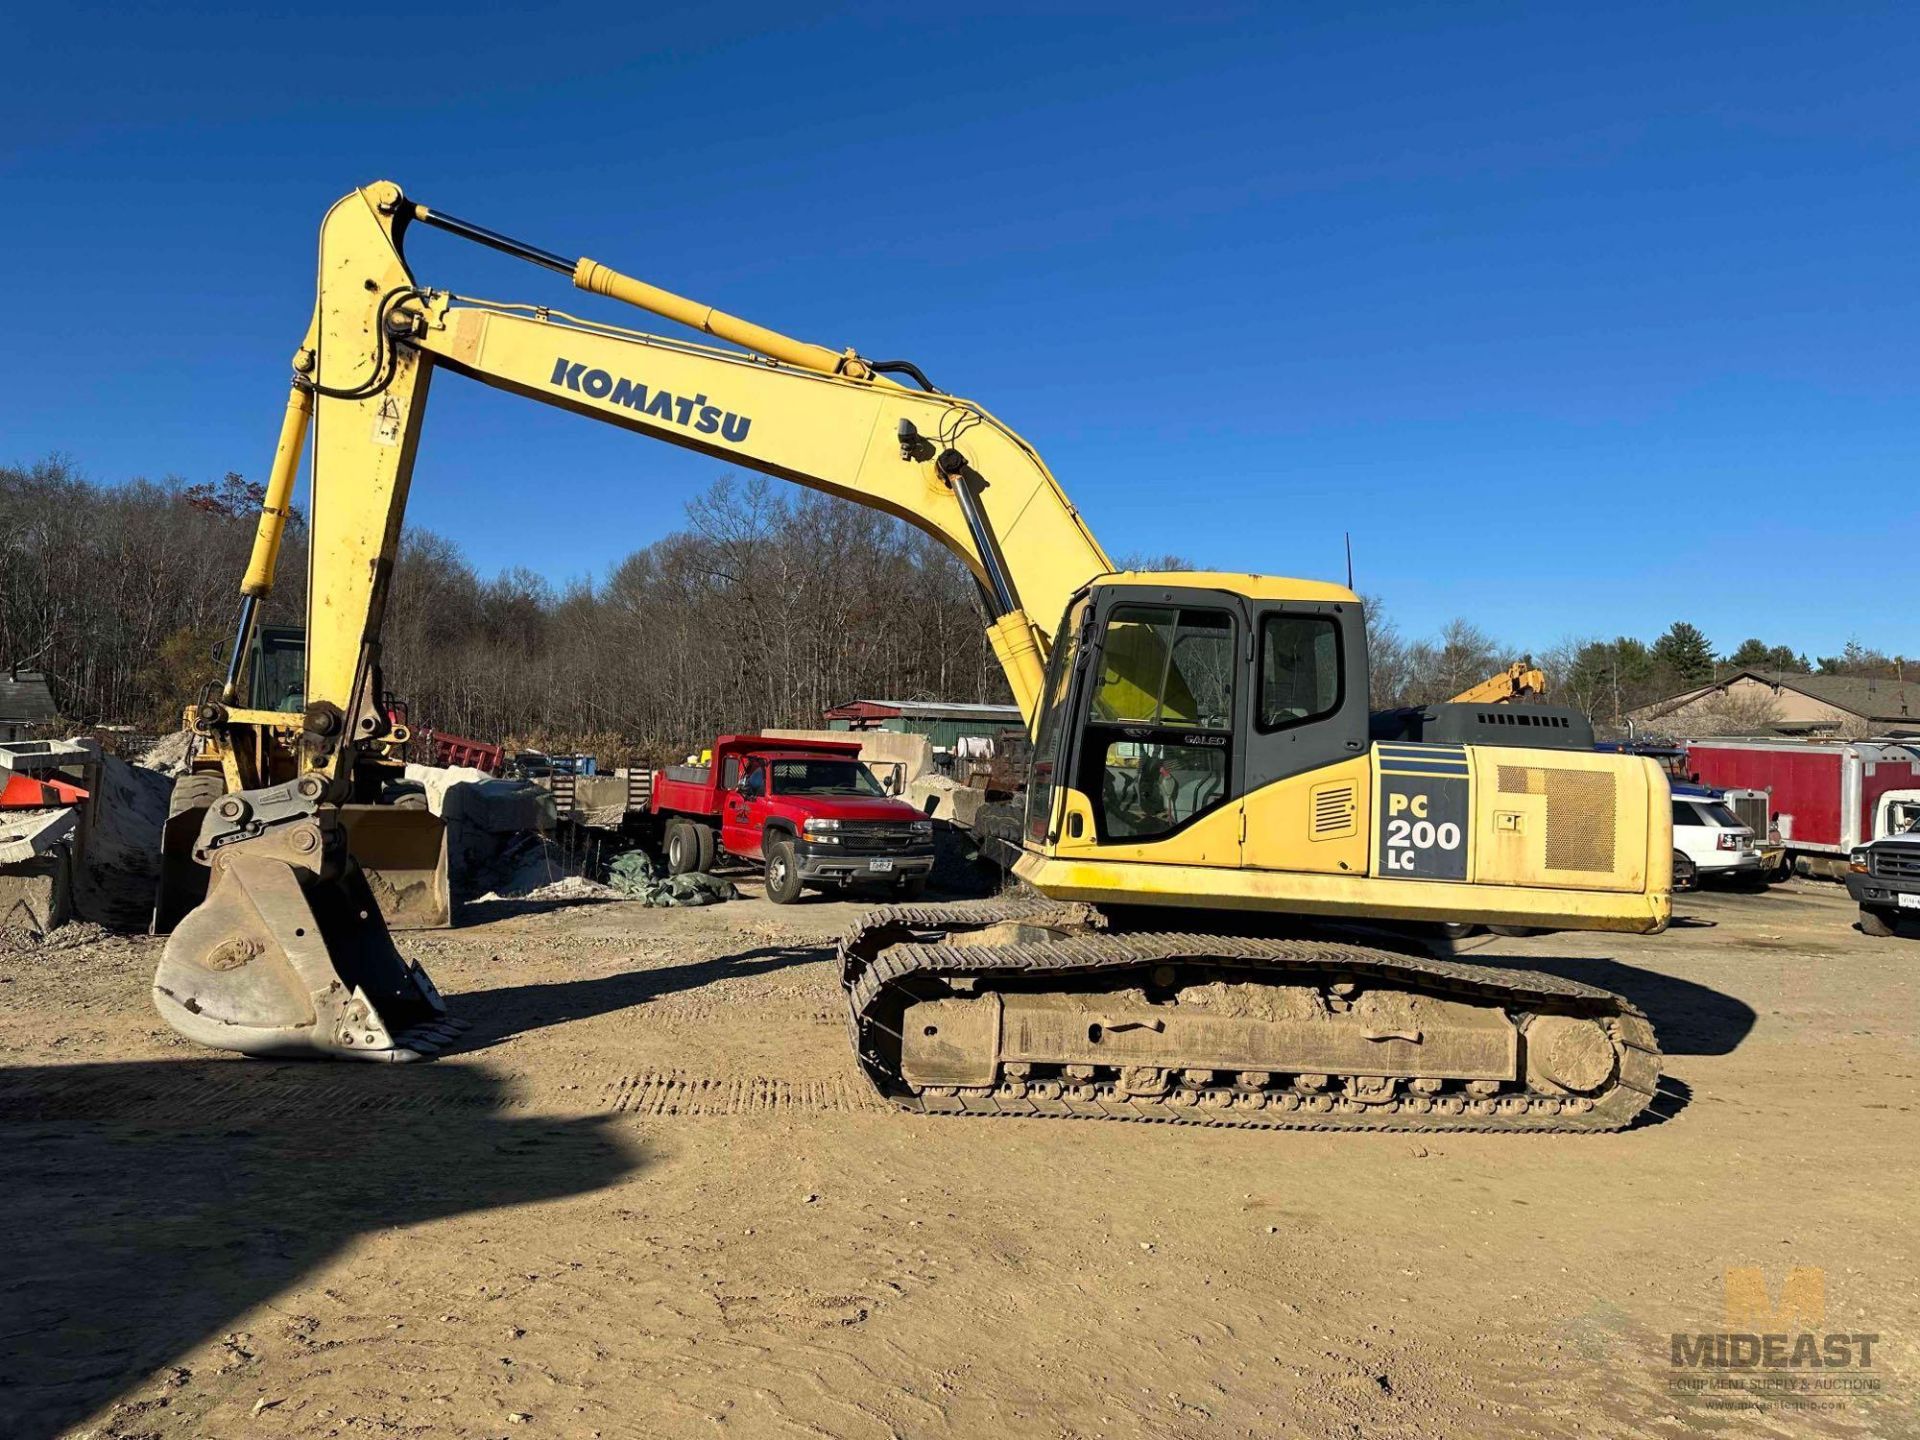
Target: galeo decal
<point>693,414</point>
<point>1424,805</point>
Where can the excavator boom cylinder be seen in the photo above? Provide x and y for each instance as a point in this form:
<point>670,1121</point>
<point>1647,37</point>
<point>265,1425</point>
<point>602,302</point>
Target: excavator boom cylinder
<point>597,279</point>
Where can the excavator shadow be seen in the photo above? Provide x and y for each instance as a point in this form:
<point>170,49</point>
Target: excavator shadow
<point>1689,1018</point>
<point>148,1206</point>
<point>510,1010</point>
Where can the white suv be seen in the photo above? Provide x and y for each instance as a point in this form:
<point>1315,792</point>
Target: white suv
<point>1709,840</point>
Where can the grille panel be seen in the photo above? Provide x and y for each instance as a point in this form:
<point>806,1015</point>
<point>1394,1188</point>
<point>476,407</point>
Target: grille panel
<point>879,837</point>
<point>1580,813</point>
<point>1894,862</point>
<point>1751,811</point>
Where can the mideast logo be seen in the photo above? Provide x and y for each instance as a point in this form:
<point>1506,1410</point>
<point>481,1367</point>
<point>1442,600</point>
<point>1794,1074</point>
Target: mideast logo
<point>1776,1354</point>
<point>693,414</point>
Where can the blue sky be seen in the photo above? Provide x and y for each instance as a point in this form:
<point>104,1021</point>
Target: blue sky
<point>1581,319</point>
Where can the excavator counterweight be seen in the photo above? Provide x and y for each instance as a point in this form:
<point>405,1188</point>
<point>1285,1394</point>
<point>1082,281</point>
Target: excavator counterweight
<point>1206,777</point>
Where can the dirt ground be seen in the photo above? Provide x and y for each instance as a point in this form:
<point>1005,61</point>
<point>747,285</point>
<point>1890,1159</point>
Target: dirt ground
<point>653,1198</point>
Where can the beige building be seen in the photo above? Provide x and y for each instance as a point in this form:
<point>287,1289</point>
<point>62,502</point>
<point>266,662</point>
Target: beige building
<point>1756,702</point>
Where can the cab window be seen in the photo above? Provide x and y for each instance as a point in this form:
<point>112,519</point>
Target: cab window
<point>1051,735</point>
<point>1162,666</point>
<point>1159,722</point>
<point>1300,670</point>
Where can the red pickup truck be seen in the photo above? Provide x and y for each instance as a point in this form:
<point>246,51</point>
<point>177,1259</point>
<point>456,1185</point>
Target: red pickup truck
<point>806,809</point>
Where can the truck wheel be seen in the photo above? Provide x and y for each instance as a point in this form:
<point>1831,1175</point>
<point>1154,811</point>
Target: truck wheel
<point>703,837</point>
<point>683,847</point>
<point>1685,876</point>
<point>1876,922</point>
<point>783,872</point>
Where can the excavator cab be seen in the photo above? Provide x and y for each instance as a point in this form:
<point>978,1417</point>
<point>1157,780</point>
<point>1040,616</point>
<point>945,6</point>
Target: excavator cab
<point>1169,698</point>
<point>276,674</point>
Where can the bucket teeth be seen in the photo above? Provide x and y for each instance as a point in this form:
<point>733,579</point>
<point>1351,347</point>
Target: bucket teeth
<point>428,990</point>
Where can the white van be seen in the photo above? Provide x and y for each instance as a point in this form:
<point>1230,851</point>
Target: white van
<point>1710,841</point>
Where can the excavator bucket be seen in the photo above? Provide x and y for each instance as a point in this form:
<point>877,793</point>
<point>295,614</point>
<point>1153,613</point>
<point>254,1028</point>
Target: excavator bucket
<point>403,853</point>
<point>288,955</point>
<point>401,850</point>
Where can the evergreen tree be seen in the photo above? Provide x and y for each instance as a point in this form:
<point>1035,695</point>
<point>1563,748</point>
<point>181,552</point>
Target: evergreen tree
<point>1610,677</point>
<point>1683,655</point>
<point>1757,655</point>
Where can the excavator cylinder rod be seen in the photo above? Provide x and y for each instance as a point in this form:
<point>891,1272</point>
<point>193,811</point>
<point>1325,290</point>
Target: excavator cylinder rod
<point>492,239</point>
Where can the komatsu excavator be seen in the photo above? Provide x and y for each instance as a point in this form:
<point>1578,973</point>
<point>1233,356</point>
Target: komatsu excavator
<point>1205,795</point>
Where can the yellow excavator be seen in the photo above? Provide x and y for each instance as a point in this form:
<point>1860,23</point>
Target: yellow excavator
<point>1208,791</point>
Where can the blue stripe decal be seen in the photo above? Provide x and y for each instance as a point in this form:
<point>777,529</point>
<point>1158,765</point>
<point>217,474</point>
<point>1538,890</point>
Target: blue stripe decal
<point>1414,752</point>
<point>1410,767</point>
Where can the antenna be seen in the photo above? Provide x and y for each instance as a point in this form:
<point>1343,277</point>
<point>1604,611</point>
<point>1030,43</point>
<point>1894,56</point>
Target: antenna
<point>1349,535</point>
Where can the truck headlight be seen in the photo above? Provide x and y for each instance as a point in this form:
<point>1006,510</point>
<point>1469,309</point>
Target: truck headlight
<point>923,827</point>
<point>1857,862</point>
<point>816,827</point>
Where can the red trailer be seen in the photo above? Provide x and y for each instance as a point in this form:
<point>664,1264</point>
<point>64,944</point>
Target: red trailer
<point>1819,797</point>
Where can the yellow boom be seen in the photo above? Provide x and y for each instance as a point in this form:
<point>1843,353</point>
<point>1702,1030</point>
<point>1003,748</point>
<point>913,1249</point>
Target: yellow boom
<point>1518,681</point>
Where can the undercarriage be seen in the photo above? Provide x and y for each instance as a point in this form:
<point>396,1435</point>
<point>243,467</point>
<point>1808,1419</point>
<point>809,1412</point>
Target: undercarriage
<point>1027,1007</point>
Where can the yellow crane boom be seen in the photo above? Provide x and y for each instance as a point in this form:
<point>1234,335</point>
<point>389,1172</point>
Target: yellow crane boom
<point>1519,681</point>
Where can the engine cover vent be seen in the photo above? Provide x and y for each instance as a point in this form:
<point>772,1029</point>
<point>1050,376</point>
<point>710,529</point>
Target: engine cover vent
<point>1336,810</point>
<point>1580,813</point>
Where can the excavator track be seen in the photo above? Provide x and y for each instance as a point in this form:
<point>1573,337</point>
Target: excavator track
<point>1024,1006</point>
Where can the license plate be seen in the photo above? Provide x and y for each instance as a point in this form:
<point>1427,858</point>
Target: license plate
<point>1909,900</point>
<point>880,867</point>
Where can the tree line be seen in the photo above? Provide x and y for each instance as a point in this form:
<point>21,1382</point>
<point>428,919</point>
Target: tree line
<point>769,606</point>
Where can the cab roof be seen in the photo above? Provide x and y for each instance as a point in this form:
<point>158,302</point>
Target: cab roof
<point>1254,587</point>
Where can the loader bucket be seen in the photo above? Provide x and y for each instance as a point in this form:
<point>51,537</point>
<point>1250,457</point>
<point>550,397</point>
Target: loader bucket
<point>288,957</point>
<point>403,853</point>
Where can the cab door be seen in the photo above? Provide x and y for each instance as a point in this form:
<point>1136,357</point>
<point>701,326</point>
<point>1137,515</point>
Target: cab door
<point>1308,773</point>
<point>742,801</point>
<point>1156,745</point>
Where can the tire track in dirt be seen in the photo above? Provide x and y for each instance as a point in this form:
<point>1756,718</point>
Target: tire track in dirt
<point>675,1093</point>
<point>254,1094</point>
